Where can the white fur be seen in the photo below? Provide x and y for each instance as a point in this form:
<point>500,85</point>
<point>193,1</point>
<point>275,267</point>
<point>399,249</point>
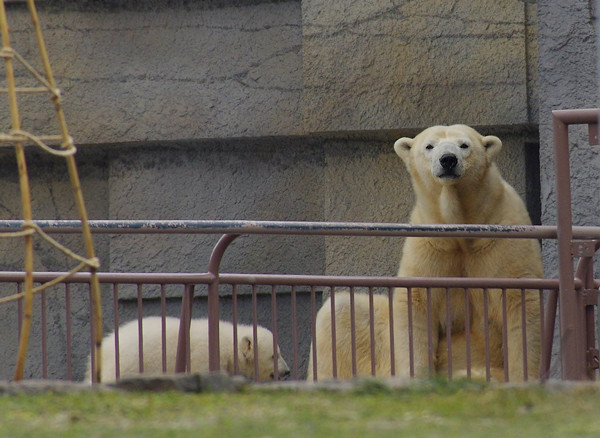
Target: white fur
<point>152,349</point>
<point>344,335</point>
<point>479,195</point>
<point>474,193</point>
<point>381,359</point>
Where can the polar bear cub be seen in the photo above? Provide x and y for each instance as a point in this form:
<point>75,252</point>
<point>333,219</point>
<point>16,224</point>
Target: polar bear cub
<point>152,349</point>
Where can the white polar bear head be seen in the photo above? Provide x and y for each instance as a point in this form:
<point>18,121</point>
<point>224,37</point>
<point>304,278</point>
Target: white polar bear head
<point>266,356</point>
<point>448,154</point>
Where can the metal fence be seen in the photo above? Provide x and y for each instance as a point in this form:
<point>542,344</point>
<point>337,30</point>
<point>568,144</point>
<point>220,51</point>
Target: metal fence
<point>574,292</point>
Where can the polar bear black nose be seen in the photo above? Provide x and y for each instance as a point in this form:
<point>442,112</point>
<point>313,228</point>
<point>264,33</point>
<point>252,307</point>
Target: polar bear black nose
<point>448,161</point>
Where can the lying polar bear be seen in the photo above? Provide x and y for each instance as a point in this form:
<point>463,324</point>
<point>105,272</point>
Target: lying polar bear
<point>152,349</point>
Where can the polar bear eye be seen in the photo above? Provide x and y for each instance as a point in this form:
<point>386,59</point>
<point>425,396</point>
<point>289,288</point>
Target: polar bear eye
<point>429,146</point>
<point>464,146</point>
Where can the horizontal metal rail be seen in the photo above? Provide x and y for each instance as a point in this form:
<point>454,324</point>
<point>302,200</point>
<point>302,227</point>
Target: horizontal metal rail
<point>300,227</point>
<point>111,277</point>
<point>291,280</point>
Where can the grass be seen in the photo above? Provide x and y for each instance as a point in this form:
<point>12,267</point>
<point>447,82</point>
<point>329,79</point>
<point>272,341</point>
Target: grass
<point>433,409</point>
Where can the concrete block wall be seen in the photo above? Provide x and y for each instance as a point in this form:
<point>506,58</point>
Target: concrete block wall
<point>384,65</point>
<point>275,110</point>
<point>568,72</point>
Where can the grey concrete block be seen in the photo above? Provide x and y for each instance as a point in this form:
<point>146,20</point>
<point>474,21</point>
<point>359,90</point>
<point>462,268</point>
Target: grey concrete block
<point>383,65</point>
<point>165,73</point>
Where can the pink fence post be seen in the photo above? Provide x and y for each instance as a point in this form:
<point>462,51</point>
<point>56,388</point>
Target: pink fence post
<point>185,320</point>
<point>213,300</point>
<point>572,312</point>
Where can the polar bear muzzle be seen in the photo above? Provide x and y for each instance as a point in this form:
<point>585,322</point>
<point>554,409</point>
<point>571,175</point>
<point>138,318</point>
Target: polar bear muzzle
<point>447,160</point>
<point>448,163</point>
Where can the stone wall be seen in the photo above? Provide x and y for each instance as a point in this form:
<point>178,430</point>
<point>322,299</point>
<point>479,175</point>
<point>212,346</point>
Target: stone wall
<point>568,79</point>
<point>384,65</point>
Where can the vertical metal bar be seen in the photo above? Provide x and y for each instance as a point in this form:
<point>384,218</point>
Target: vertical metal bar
<point>372,331</point>
<point>234,308</point>
<point>313,310</point>
<point>140,329</point>
<point>163,301</point>
<point>524,335</point>
<point>255,332</point>
<point>505,335</point>
<point>214,359</point>
<point>92,345</point>
<point>572,356</point>
<point>411,347</point>
<point>486,333</point>
<point>116,330</point>
<point>392,340</point>
<point>449,333</point>
<point>430,333</point>
<point>44,335</point>
<point>545,359</point>
<point>548,338</point>
<point>353,331</point>
<point>163,327</point>
<point>468,332</point>
<point>295,333</point>
<point>183,338</point>
<point>275,337</point>
<point>69,333</point>
<point>333,333</point>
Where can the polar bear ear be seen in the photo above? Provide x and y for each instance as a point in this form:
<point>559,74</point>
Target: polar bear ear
<point>246,347</point>
<point>402,147</point>
<point>492,145</point>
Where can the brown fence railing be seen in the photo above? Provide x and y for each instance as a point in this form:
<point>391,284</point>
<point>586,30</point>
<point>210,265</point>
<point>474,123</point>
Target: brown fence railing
<point>294,300</point>
<point>308,286</point>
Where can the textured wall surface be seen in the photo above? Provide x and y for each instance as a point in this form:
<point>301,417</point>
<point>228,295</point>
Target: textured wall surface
<point>378,65</point>
<point>568,79</point>
<point>169,70</point>
<point>164,73</point>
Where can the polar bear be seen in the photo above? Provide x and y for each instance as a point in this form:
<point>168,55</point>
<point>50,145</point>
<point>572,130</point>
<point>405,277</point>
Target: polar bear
<point>378,362</point>
<point>348,343</point>
<point>455,181</point>
<point>152,349</point>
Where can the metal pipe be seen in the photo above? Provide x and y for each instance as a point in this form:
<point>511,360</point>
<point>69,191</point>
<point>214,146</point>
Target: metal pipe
<point>185,321</point>
<point>572,355</point>
<point>213,301</point>
<point>301,228</point>
<point>290,280</point>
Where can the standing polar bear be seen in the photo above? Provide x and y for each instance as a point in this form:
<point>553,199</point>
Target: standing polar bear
<point>152,349</point>
<point>455,181</point>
